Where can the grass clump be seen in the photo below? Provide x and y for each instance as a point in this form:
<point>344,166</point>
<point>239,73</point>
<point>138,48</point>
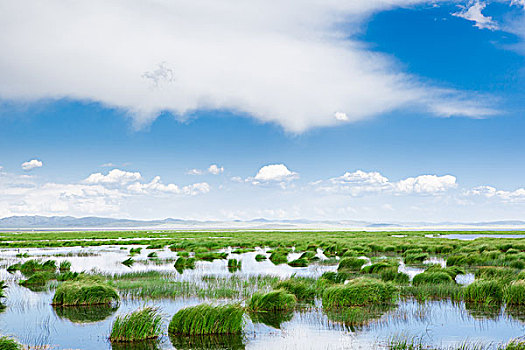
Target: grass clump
<point>392,275</point>
<point>484,291</point>
<point>38,279</point>
<point>84,292</point>
<point>184,263</point>
<point>515,293</point>
<point>279,257</point>
<point>260,257</point>
<point>64,266</point>
<point>351,263</point>
<point>128,262</point>
<point>210,256</point>
<point>7,343</point>
<point>299,263</point>
<point>438,277</point>
<point>359,292</point>
<point>272,301</point>
<point>234,265</point>
<point>379,266</point>
<point>139,325</point>
<point>302,288</point>
<point>135,251</point>
<point>206,319</point>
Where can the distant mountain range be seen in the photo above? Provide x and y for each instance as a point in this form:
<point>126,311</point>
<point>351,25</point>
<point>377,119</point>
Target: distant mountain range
<point>69,223</point>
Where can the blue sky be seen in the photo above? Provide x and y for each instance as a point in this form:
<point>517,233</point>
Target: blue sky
<point>420,104</point>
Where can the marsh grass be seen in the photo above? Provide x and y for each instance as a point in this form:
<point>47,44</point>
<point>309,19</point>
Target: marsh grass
<point>299,263</point>
<point>359,292</point>
<point>7,343</point>
<point>279,257</point>
<point>437,277</point>
<point>260,257</point>
<point>139,325</point>
<point>351,263</point>
<point>210,256</point>
<point>206,319</point>
<point>184,263</point>
<point>128,262</point>
<point>303,288</point>
<point>38,279</point>
<point>85,292</point>
<point>515,293</point>
<point>272,301</point>
<point>484,291</point>
<point>64,266</point>
<point>234,265</point>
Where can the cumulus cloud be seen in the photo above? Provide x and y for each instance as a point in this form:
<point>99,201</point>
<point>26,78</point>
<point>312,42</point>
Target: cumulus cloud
<point>115,176</point>
<point>492,192</point>
<point>289,62</point>
<point>194,172</point>
<point>215,169</point>
<point>473,13</point>
<point>361,182</point>
<point>274,173</point>
<point>32,164</point>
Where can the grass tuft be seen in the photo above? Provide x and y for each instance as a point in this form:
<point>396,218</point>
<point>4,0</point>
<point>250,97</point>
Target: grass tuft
<point>84,292</point>
<point>7,343</point>
<point>359,292</point>
<point>272,301</point>
<point>206,319</point>
<point>139,325</point>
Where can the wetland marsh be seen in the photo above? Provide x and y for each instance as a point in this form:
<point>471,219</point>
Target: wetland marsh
<point>262,290</point>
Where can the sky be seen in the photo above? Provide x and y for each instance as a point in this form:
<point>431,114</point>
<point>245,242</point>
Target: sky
<point>387,110</point>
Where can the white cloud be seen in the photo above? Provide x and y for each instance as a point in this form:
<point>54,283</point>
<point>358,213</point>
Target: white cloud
<point>215,169</point>
<point>360,182</point>
<point>290,62</point>
<point>340,116</point>
<point>115,176</point>
<point>492,192</point>
<point>473,13</point>
<point>274,173</point>
<point>426,184</point>
<point>32,164</point>
<point>194,172</point>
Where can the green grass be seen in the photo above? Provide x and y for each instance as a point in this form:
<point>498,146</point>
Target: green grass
<point>415,258</point>
<point>184,263</point>
<point>128,262</point>
<point>206,319</point>
<point>392,275</point>
<point>139,325</point>
<point>85,292</point>
<point>64,266</point>
<point>299,263</point>
<point>272,301</point>
<point>260,257</point>
<point>7,343</point>
<point>273,319</point>
<point>302,288</point>
<point>3,287</point>
<point>484,291</point>
<point>438,277</point>
<point>359,292</point>
<point>279,257</point>
<point>515,293</point>
<point>379,266</point>
<point>32,266</point>
<point>210,256</point>
<point>351,263</point>
<point>38,279</point>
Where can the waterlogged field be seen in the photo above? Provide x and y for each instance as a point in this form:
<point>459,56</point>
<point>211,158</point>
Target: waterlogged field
<point>262,290</point>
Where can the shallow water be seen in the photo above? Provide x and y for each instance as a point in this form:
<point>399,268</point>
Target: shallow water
<point>30,317</point>
<point>469,237</point>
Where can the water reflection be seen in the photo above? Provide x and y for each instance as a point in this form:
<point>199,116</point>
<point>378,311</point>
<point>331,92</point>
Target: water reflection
<point>85,314</point>
<point>218,342</point>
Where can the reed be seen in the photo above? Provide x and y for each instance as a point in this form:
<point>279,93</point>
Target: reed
<point>515,293</point>
<point>351,263</point>
<point>7,343</point>
<point>359,292</point>
<point>484,291</point>
<point>84,292</point>
<point>206,319</point>
<point>438,277</point>
<point>272,301</point>
<point>139,325</point>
